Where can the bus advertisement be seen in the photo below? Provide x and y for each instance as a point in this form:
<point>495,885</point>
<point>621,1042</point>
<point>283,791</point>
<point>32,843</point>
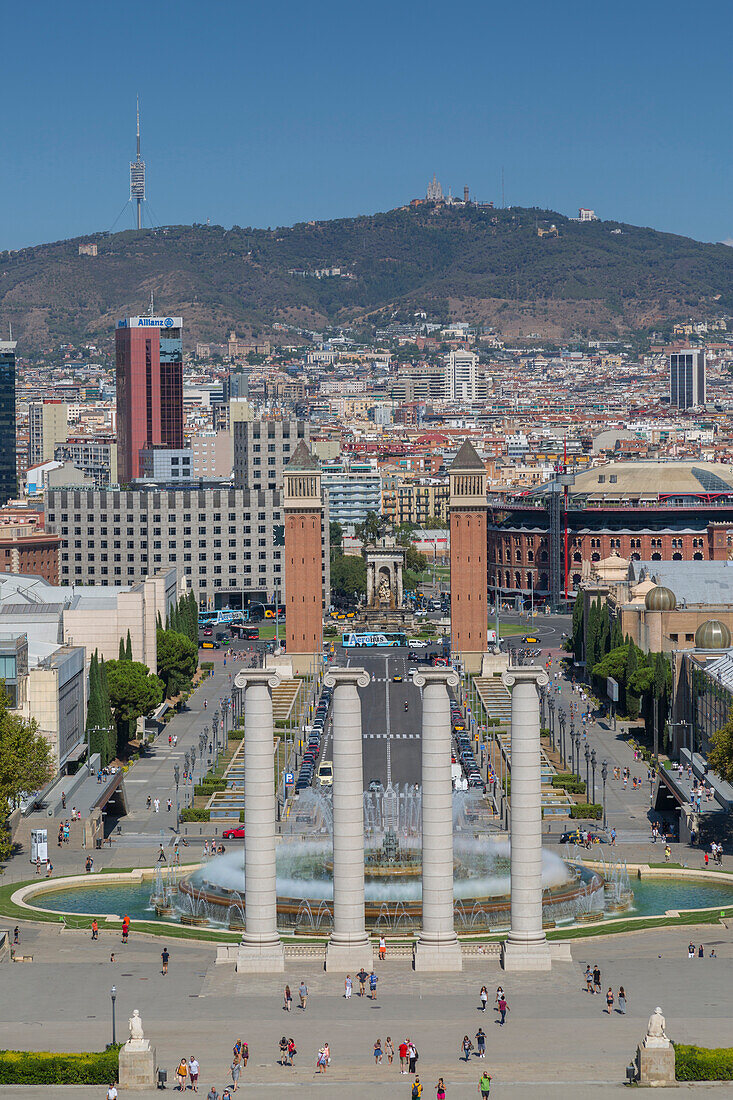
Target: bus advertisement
<point>361,641</point>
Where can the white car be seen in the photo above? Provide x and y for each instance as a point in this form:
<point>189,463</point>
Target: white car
<point>418,643</point>
<point>411,671</point>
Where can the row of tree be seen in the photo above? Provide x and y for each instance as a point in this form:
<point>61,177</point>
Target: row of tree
<point>644,679</point>
<point>183,618</point>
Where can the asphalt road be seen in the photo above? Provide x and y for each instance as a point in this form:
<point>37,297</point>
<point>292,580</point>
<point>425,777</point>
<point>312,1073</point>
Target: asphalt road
<point>391,734</point>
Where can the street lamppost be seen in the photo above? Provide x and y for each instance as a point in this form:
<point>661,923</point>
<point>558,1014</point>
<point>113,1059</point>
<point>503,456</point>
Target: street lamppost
<point>187,761</point>
<point>572,744</point>
<point>113,996</point>
<point>543,696</point>
<point>215,725</point>
<point>587,769</point>
<point>177,780</point>
<point>604,776</point>
<point>577,753</point>
<point>561,719</point>
<point>551,708</point>
<point>593,769</point>
<point>193,768</point>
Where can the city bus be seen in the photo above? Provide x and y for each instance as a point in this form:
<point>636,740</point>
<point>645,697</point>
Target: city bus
<point>377,638</point>
<point>214,618</point>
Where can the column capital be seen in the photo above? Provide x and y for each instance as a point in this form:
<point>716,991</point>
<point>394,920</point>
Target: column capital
<point>248,677</point>
<point>335,677</point>
<point>524,674</point>
<point>445,676</point>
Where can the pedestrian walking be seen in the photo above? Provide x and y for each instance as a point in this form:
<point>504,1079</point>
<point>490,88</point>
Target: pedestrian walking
<point>112,1092</point>
<point>362,976</point>
<point>389,1050</point>
<point>236,1068</point>
<point>701,952</point>
<point>16,936</point>
<point>589,980</point>
<point>690,950</point>
<point>193,1073</point>
<point>503,1009</point>
<point>49,869</point>
<point>382,949</point>
<point>283,1046</point>
<point>609,1001</point>
<point>291,1051</point>
<point>484,1085</point>
<point>182,1074</point>
<point>125,928</point>
<point>481,1043</point>
<point>165,956</point>
<point>499,994</point>
<point>484,997</point>
<point>95,929</point>
<point>416,1089</point>
<point>596,979</point>
<point>622,1000</point>
<point>162,856</point>
<point>440,1090</point>
<point>303,994</point>
<point>378,1052</point>
<point>412,1055</point>
<point>212,1094</point>
<point>169,805</point>
<point>373,986</point>
<point>348,986</point>
<point>156,805</point>
<point>287,999</point>
<point>322,1060</point>
<point>667,853</point>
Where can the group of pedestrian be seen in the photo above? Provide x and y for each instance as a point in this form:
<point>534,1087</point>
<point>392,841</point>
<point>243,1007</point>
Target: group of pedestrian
<point>302,994</point>
<point>699,951</point>
<point>716,854</point>
<point>287,1051</point>
<point>362,977</point>
<point>501,1006</point>
<point>65,827</point>
<point>593,985</point>
<point>409,1055</point>
<point>187,1074</point>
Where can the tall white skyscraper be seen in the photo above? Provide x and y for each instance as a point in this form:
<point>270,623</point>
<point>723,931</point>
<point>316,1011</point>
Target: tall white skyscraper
<point>687,378</point>
<point>461,377</point>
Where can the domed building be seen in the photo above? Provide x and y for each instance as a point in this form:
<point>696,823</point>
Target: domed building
<point>660,598</point>
<point>712,634</point>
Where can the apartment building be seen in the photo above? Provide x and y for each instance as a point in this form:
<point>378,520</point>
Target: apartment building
<point>96,456</point>
<point>414,501</point>
<point>262,450</point>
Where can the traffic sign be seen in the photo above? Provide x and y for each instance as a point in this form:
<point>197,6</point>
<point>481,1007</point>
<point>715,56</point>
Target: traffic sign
<point>289,778</point>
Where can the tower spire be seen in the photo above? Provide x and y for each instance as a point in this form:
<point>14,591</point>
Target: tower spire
<point>137,176</point>
<point>138,127</point>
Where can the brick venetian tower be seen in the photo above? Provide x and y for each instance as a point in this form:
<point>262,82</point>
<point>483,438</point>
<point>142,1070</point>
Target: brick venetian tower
<point>303,560</point>
<point>468,553</point>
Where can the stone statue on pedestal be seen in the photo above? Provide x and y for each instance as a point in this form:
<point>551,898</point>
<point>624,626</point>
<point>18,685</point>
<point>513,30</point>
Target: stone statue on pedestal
<point>137,1040</point>
<point>655,1033</point>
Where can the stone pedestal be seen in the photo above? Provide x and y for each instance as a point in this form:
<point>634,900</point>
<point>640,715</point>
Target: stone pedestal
<point>526,946</point>
<point>656,1066</point>
<point>349,948</point>
<point>437,946</point>
<point>261,949</point>
<point>138,1066</point>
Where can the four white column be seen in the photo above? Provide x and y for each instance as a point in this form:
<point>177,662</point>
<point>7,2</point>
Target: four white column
<point>437,946</point>
<point>526,946</point>
<point>261,949</point>
<point>349,948</point>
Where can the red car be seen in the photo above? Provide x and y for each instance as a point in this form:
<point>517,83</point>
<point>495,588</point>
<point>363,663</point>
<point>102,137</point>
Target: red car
<point>207,632</point>
<point>234,834</point>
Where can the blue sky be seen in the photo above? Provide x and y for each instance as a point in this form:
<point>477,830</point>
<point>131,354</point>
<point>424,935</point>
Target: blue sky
<point>269,114</point>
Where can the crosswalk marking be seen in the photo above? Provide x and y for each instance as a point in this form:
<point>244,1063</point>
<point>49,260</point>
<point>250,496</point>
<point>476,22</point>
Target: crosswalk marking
<point>393,736</point>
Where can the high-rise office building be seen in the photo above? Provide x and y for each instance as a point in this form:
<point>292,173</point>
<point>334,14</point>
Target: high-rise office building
<point>149,352</point>
<point>687,378</point>
<point>262,450</point>
<point>8,482</point>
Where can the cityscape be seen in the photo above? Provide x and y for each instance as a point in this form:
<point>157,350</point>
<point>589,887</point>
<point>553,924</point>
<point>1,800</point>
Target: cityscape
<point>366,613</point>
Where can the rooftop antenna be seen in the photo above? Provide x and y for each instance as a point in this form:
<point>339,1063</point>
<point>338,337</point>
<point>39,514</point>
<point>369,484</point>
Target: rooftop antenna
<point>10,326</point>
<point>137,176</point>
<point>152,305</point>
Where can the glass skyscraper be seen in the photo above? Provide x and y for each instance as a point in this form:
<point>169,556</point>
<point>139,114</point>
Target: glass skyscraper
<point>8,480</point>
<point>149,354</point>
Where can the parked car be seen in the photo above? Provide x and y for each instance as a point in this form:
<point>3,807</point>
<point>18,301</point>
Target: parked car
<point>234,834</point>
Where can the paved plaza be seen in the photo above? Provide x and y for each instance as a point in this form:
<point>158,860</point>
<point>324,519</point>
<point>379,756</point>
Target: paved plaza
<point>557,1037</point>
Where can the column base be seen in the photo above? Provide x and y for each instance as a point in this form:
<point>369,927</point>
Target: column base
<point>254,957</point>
<point>526,956</point>
<point>137,1068</point>
<point>349,958</point>
<point>445,956</point>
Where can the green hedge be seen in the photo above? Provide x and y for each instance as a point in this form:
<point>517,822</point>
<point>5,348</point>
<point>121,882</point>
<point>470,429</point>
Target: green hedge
<point>209,786</point>
<point>27,1067</point>
<point>703,1063</point>
<point>569,783</point>
<point>593,811</point>
<point>195,813</point>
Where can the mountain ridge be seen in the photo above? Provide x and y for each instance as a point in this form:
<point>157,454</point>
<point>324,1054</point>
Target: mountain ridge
<point>482,265</point>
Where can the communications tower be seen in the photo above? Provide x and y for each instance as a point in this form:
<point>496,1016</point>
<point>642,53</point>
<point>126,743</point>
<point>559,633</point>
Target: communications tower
<point>137,176</point>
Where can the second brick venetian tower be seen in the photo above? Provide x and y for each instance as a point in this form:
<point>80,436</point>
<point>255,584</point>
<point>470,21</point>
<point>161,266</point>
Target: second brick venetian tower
<point>468,549</point>
<point>303,560</point>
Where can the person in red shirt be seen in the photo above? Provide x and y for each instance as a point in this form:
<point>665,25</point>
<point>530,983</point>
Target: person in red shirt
<point>403,1057</point>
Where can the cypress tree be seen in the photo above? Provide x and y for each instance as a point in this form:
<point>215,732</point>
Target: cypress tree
<point>194,616</point>
<point>95,735</point>
<point>108,721</point>
<point>604,633</point>
<point>617,638</point>
<point>128,648</point>
<point>122,651</point>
